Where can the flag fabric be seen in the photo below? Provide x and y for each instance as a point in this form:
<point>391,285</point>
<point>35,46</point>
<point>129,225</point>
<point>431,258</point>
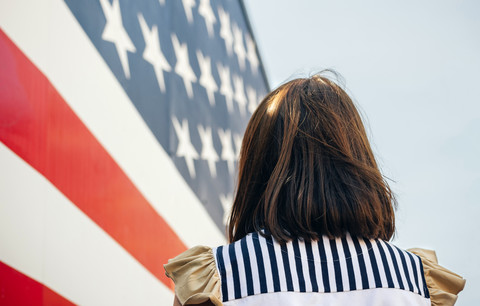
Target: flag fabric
<point>120,128</point>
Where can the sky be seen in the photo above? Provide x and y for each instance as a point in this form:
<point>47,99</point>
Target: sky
<point>413,69</point>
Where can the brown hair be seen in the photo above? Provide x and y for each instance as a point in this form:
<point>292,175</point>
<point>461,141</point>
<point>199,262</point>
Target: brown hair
<point>306,168</point>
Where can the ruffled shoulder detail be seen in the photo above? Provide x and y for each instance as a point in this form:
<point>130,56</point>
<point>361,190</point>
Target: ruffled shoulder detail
<point>195,276</point>
<point>443,284</point>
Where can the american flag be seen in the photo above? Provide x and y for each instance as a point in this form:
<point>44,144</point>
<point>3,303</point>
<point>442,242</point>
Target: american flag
<point>120,127</point>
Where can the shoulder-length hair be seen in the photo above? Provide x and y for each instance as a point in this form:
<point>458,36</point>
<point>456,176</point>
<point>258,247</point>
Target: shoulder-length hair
<point>306,169</point>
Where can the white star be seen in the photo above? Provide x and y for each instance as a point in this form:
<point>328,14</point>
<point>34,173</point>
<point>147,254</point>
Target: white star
<point>185,147</point>
<point>208,151</point>
<point>227,150</point>
<point>226,86</point>
<point>238,47</point>
<point>206,77</point>
<point>237,139</point>
<point>182,67</point>
<point>115,32</point>
<point>252,54</point>
<point>205,10</point>
<point>227,202</point>
<point>252,99</point>
<point>153,54</point>
<point>239,93</point>
<point>225,30</point>
<point>187,6</point>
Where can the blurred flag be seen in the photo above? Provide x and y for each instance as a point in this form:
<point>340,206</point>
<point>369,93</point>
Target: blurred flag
<point>120,127</point>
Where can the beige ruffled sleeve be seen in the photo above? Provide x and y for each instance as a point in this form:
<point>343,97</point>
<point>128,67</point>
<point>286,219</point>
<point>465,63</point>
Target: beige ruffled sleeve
<point>195,276</point>
<point>443,284</point>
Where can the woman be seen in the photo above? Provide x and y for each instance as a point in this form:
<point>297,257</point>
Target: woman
<point>312,217</point>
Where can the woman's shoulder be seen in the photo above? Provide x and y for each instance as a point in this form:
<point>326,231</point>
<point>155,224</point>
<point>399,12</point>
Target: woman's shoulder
<point>258,264</point>
<point>443,284</point>
<point>195,276</point>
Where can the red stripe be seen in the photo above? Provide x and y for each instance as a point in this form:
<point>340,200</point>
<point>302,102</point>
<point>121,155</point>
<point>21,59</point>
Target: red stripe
<point>38,125</point>
<point>18,289</point>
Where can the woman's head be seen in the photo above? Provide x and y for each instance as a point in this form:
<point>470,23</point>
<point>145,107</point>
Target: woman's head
<point>306,168</point>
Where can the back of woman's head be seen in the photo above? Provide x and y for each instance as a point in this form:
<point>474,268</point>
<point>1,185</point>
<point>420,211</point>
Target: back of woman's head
<point>306,168</point>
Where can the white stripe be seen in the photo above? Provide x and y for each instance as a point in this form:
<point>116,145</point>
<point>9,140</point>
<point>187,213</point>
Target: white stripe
<point>228,273</point>
<point>293,267</point>
<point>241,269</point>
<point>368,263</point>
<point>254,264</point>
<point>50,36</point>
<point>46,237</point>
<point>410,284</point>
<point>343,264</point>
<point>381,268</point>
<point>305,268</point>
<point>331,268</point>
<point>318,266</point>
<point>400,267</point>
<point>419,273</point>
<point>280,265</point>
<point>390,264</point>
<point>410,272</point>
<point>355,263</point>
<point>266,263</point>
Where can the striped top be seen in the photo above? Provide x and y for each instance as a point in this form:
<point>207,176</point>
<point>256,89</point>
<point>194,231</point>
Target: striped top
<point>257,269</point>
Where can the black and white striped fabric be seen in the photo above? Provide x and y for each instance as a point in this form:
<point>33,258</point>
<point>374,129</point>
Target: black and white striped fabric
<point>257,265</point>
